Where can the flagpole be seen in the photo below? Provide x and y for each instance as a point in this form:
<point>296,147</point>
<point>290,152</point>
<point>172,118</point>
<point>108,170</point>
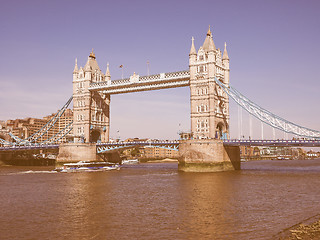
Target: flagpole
<point>148,68</point>
<point>121,66</point>
<point>122,73</point>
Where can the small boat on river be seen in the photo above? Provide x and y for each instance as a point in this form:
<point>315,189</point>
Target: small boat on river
<point>130,161</point>
<point>88,167</point>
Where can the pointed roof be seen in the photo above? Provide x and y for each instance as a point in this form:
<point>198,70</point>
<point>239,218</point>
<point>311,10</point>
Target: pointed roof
<point>193,49</point>
<point>87,67</point>
<point>92,64</point>
<point>75,70</point>
<point>212,47</point>
<point>225,53</point>
<point>208,44</point>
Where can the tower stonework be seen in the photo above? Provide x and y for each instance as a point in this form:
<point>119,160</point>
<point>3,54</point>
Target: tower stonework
<point>209,103</point>
<point>91,110</point>
<point>91,114</point>
<point>209,106</point>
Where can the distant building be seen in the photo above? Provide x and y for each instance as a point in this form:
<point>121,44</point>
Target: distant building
<point>159,153</point>
<point>24,128</point>
<point>149,152</point>
<point>281,153</point>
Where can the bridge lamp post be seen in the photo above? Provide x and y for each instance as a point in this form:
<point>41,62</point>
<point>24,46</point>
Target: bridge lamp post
<point>118,133</point>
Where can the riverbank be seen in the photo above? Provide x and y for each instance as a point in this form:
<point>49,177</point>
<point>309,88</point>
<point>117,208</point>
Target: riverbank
<point>308,229</point>
<point>166,160</point>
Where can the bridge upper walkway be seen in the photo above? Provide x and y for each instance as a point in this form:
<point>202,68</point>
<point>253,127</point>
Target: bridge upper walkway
<point>144,83</point>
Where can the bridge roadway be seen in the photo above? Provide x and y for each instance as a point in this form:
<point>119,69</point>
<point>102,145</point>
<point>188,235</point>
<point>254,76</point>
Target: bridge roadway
<point>29,147</point>
<point>272,143</point>
<point>173,145</point>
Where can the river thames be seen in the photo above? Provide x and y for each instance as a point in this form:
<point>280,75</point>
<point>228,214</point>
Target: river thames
<point>155,201</point>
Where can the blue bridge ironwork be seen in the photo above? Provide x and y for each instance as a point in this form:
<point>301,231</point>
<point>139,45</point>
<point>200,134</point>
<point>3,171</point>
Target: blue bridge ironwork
<point>108,147</point>
<point>170,144</point>
<point>273,143</point>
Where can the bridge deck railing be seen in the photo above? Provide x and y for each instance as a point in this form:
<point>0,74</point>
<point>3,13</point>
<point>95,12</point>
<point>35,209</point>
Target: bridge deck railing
<point>162,77</point>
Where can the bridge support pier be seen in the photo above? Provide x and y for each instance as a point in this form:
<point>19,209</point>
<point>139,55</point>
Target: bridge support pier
<point>75,152</point>
<point>5,158</point>
<point>207,155</point>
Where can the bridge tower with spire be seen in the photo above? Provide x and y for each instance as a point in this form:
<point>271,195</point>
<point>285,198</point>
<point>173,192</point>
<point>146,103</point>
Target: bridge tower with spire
<point>91,110</point>
<point>209,104</point>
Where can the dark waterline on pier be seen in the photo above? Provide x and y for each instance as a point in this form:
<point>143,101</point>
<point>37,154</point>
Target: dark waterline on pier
<point>155,201</point>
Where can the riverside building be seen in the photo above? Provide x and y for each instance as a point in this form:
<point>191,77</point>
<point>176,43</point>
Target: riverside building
<point>24,128</point>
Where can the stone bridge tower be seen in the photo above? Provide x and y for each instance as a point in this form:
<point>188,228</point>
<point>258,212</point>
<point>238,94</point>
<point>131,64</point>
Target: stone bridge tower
<point>209,104</point>
<point>91,110</point>
<point>209,113</point>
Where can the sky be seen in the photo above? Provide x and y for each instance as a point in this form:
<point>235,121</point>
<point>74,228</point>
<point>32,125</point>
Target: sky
<point>273,48</point>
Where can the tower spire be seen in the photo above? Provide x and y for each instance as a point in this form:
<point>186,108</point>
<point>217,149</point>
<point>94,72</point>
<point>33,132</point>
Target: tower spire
<point>75,70</point>
<point>209,32</point>
<point>92,55</point>
<point>108,72</point>
<point>225,53</point>
<point>193,49</point>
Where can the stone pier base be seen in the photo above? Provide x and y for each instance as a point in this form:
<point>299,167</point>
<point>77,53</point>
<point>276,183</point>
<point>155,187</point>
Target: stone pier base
<point>5,158</point>
<point>207,155</point>
<point>75,152</point>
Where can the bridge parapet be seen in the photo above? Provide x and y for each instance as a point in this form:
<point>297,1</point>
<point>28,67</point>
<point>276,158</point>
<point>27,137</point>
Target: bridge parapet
<point>29,147</point>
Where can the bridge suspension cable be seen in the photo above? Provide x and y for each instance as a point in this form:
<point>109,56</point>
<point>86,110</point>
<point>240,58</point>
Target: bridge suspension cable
<point>266,116</point>
<point>60,134</point>
<point>34,137</point>
<point>2,141</point>
<point>15,137</point>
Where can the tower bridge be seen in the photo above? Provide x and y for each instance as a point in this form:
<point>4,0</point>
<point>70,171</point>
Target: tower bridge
<point>209,147</point>
<point>92,92</point>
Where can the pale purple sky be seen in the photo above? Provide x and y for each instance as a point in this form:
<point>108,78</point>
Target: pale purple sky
<point>273,48</point>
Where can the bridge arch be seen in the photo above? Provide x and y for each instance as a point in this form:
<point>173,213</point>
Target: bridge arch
<point>95,135</point>
<point>221,130</point>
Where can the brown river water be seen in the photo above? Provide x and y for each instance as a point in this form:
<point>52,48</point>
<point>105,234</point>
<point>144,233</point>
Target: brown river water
<point>155,201</point>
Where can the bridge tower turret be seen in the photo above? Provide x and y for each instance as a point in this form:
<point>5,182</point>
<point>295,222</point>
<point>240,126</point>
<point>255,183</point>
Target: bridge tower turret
<point>209,104</point>
<point>90,109</point>
<point>225,62</point>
